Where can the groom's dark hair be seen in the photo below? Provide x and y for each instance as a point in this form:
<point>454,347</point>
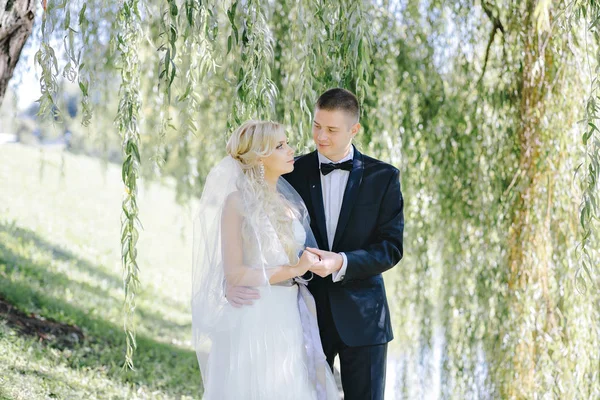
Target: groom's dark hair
<point>339,99</point>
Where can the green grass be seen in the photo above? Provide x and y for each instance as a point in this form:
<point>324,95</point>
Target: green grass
<point>59,258</point>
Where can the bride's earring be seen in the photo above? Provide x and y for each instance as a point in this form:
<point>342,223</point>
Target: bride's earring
<point>261,174</point>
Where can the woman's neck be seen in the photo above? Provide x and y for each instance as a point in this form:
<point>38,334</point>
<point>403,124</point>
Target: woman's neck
<point>271,181</point>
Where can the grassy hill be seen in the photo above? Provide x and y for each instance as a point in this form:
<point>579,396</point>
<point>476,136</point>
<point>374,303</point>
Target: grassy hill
<point>60,260</point>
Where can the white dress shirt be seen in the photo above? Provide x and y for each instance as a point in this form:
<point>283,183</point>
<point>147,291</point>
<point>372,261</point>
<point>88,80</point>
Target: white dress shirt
<point>333,186</point>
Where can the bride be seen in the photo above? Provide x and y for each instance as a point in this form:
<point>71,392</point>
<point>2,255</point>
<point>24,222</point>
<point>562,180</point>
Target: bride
<point>251,230</point>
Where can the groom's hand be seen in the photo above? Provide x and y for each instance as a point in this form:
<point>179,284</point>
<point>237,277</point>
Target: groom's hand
<point>239,296</point>
<point>330,262</point>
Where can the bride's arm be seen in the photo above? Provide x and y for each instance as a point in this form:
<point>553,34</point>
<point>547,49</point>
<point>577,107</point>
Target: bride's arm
<point>236,273</point>
<point>285,272</point>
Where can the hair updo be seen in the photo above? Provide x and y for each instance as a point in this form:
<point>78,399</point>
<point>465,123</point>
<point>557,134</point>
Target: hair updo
<point>252,141</point>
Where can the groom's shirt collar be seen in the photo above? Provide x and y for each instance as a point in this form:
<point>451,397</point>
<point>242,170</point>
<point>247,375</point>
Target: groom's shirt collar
<point>325,160</point>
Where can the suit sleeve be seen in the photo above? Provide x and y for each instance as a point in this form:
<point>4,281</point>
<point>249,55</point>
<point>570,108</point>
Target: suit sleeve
<point>386,249</point>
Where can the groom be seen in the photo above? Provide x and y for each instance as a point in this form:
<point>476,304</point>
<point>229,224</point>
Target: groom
<point>356,210</point>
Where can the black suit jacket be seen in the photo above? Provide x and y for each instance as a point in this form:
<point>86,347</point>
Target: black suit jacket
<point>369,232</point>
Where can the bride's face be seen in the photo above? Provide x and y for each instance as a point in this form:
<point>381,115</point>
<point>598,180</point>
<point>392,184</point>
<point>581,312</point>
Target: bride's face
<point>281,160</point>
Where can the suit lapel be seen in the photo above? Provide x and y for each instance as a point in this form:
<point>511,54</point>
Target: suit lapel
<point>316,195</point>
<point>354,181</point>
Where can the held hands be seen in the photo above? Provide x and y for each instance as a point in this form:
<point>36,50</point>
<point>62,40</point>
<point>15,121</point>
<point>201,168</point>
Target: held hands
<point>239,296</point>
<point>320,262</point>
<point>307,260</point>
<point>329,262</point>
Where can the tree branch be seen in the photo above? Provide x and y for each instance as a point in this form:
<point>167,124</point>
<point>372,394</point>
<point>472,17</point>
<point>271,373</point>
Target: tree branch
<point>496,26</point>
<point>15,27</point>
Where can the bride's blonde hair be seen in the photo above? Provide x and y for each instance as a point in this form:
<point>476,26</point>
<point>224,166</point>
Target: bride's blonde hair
<point>249,143</point>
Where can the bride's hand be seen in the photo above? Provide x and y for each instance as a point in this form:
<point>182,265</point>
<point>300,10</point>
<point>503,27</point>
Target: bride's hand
<point>307,260</point>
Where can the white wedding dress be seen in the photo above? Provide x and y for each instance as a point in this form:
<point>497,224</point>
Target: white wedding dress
<point>258,351</point>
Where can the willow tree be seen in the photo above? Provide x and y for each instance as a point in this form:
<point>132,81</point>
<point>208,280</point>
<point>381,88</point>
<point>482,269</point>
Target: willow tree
<point>16,22</point>
<point>498,155</point>
<point>496,144</point>
<point>478,103</point>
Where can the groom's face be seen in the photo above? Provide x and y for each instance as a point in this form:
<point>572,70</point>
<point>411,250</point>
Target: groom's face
<point>333,131</point>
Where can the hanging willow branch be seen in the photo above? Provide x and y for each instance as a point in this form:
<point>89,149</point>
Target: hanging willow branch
<point>343,53</point>
<point>46,59</point>
<point>255,90</point>
<point>128,40</point>
<point>199,32</point>
<point>295,55</point>
<point>75,44</point>
<point>590,167</point>
<point>168,71</point>
<point>83,73</point>
<point>360,38</point>
<point>170,33</point>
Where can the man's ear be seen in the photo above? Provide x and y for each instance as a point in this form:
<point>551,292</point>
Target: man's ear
<point>355,128</point>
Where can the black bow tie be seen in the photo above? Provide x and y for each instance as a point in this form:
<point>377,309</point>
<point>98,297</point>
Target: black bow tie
<point>327,168</point>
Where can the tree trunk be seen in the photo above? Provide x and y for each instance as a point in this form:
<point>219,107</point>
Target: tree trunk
<point>16,21</point>
<point>530,245</point>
